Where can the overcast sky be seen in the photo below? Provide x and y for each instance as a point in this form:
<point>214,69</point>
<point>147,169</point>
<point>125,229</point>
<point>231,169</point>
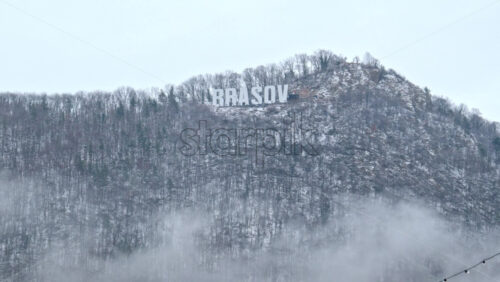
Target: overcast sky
<point>451,46</point>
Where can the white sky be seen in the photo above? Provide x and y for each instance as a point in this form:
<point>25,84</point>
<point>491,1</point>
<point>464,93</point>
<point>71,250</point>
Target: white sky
<point>66,46</point>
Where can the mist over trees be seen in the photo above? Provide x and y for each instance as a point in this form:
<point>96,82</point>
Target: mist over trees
<point>91,179</point>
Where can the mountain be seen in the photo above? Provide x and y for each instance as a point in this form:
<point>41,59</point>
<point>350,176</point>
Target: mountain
<point>125,186</point>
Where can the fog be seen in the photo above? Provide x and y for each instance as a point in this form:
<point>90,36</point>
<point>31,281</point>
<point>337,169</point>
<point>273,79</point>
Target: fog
<point>368,239</point>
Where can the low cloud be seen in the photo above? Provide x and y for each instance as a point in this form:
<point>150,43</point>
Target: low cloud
<point>367,240</point>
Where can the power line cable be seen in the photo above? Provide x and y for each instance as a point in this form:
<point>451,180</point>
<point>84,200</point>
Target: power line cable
<point>441,29</point>
<point>417,240</point>
<point>83,41</point>
<point>468,269</point>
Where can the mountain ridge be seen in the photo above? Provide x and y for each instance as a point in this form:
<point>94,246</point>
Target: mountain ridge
<point>95,167</point>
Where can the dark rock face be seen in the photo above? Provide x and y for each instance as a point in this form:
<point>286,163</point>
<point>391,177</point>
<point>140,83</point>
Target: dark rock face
<point>92,174</point>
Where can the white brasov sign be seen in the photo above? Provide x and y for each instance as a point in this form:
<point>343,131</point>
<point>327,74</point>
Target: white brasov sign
<point>258,95</point>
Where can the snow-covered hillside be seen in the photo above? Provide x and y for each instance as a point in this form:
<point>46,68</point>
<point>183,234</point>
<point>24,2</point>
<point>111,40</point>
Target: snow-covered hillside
<point>98,186</point>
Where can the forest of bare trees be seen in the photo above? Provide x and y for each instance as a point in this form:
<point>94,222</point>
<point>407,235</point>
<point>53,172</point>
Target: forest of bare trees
<point>86,172</point>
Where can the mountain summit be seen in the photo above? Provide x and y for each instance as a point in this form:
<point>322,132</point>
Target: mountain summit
<point>97,183</point>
